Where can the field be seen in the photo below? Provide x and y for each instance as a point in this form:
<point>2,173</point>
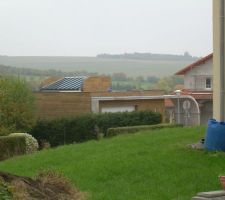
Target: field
<point>154,165</point>
<point>131,68</point>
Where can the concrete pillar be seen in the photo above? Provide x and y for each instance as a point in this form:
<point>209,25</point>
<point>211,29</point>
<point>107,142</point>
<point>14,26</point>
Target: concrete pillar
<point>95,105</point>
<point>218,61</point>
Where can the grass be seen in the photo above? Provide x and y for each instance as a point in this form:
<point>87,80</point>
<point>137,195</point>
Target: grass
<point>153,165</point>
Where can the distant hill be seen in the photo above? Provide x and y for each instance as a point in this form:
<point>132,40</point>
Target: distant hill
<point>108,66</point>
<point>149,56</point>
<point>8,70</point>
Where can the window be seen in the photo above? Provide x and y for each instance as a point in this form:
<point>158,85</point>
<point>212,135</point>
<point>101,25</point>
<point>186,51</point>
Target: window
<point>118,109</point>
<point>208,83</point>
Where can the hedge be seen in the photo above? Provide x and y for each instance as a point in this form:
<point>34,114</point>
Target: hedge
<point>30,142</point>
<point>12,146</point>
<point>87,127</point>
<point>133,129</point>
<point>109,120</point>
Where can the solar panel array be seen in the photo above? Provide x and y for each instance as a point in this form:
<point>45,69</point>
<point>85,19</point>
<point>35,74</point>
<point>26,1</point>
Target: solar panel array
<point>67,83</point>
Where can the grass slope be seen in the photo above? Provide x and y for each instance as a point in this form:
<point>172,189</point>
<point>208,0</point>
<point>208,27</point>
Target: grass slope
<point>152,165</point>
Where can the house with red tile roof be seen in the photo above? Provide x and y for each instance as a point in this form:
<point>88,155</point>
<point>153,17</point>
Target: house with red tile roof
<point>198,75</point>
<point>198,83</point>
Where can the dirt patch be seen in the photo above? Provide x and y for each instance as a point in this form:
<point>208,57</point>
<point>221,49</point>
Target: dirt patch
<point>47,186</point>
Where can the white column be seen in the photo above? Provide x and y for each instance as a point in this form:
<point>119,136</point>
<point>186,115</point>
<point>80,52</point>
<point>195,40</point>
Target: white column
<point>218,60</point>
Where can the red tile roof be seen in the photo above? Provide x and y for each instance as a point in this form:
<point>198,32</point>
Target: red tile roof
<point>195,64</point>
<point>201,94</point>
<point>198,95</point>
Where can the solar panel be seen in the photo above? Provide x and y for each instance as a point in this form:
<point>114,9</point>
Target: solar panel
<point>67,83</point>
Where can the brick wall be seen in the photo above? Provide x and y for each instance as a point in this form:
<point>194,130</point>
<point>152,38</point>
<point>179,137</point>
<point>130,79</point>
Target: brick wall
<point>59,104</point>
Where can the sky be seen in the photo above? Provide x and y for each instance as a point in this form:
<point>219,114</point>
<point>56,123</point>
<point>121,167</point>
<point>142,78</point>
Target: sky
<point>91,27</point>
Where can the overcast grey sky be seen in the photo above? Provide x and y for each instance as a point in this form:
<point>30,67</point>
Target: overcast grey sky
<point>90,27</point>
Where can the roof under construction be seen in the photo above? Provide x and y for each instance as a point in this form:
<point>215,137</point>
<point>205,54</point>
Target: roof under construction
<point>67,83</point>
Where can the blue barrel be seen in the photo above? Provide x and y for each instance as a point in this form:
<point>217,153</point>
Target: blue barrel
<point>215,136</point>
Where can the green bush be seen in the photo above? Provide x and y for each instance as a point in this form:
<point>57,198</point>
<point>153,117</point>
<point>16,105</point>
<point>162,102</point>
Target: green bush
<point>87,127</point>
<point>133,129</point>
<point>5,192</point>
<point>64,131</point>
<point>109,120</point>
<point>31,142</point>
<point>12,146</point>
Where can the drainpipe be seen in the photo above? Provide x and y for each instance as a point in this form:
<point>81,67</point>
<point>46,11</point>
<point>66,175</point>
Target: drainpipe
<point>222,82</point>
<point>178,93</point>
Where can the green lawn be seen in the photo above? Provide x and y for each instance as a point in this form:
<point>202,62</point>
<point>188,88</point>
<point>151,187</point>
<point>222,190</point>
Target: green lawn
<point>152,165</point>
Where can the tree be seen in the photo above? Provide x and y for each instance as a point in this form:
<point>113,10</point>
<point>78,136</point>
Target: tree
<point>119,77</point>
<point>169,83</point>
<point>187,54</point>
<point>152,79</point>
<point>140,79</point>
<point>16,106</point>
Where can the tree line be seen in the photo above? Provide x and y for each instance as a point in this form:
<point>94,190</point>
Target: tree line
<point>122,82</point>
<point>149,56</point>
<point>9,70</point>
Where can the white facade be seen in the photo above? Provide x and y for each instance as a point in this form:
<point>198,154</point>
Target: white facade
<point>200,77</point>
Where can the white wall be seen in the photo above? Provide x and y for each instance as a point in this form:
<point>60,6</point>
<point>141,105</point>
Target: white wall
<point>195,78</point>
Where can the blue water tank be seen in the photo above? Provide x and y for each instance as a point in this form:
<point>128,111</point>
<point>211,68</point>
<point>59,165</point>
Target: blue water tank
<point>215,136</point>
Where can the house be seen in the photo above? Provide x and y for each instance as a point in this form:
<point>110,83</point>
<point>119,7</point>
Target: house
<point>71,96</point>
<point>198,76</point>
<point>198,83</point>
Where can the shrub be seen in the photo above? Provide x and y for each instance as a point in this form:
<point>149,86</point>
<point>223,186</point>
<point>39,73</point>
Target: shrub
<point>12,146</point>
<point>4,131</point>
<point>30,142</point>
<point>133,129</point>
<point>109,120</point>
<point>5,193</point>
<point>48,185</point>
<point>64,131</point>
<point>63,189</point>
<point>90,126</point>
